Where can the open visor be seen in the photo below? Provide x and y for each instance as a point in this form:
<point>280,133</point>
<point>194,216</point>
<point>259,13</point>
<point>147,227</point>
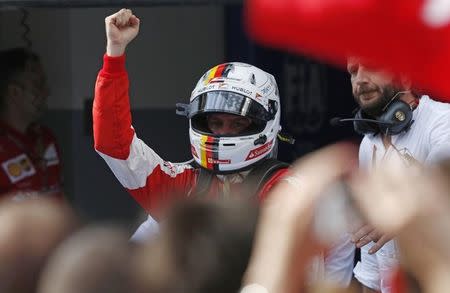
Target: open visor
<point>228,102</point>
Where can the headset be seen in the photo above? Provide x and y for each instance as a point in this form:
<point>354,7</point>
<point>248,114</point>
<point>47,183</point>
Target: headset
<point>396,117</point>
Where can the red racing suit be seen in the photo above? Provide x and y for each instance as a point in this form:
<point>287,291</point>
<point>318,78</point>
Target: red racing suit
<point>152,181</point>
<point>30,162</point>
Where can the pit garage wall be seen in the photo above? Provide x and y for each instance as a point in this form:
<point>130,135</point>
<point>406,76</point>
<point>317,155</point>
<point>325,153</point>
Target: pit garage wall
<point>175,46</point>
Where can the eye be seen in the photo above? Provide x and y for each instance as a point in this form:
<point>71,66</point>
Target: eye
<point>214,123</point>
<point>241,124</point>
<point>352,69</point>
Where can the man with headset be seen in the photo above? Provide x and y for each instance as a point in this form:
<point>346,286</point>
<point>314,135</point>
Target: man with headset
<point>396,123</point>
<point>234,122</point>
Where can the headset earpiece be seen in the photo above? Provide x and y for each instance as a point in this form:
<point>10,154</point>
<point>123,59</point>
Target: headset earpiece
<point>396,118</point>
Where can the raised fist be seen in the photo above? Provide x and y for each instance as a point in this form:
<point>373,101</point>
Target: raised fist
<point>121,28</point>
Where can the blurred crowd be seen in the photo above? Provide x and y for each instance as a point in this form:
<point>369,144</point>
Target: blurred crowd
<point>221,246</point>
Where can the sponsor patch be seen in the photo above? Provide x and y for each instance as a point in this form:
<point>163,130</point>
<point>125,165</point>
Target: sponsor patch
<point>223,86</point>
<point>18,168</point>
<point>266,90</point>
<point>259,151</point>
<point>51,156</point>
<point>217,161</point>
<point>169,169</point>
<point>242,90</point>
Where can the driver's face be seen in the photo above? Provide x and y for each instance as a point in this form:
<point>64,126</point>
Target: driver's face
<point>227,124</point>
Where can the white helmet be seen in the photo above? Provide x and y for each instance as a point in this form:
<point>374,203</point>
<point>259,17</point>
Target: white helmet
<point>240,89</point>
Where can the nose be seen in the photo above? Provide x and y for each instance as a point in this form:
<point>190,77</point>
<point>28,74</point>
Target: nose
<point>359,81</point>
<point>361,76</point>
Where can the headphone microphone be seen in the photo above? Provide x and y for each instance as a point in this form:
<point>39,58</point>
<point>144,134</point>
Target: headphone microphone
<point>396,117</point>
<point>337,121</point>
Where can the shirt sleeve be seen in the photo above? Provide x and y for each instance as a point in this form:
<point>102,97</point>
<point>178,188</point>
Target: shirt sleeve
<point>439,139</point>
<point>339,262</point>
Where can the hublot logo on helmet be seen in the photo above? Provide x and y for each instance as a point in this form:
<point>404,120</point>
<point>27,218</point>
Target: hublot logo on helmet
<point>242,90</point>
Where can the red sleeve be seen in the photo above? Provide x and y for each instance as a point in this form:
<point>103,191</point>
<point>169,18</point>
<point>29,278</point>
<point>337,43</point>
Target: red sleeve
<point>111,110</point>
<point>153,182</point>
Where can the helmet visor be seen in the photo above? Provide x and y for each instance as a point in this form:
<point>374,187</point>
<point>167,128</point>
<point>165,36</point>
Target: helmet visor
<point>228,102</point>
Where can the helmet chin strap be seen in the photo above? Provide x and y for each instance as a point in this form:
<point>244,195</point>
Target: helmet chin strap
<point>393,98</point>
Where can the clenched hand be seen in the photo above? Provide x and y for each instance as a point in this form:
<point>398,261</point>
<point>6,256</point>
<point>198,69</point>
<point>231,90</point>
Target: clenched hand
<point>121,28</point>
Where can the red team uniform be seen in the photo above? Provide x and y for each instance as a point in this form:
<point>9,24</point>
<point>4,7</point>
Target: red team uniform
<point>29,162</point>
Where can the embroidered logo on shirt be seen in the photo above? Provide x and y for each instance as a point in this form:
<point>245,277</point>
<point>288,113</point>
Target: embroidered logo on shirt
<point>18,168</point>
<point>51,156</point>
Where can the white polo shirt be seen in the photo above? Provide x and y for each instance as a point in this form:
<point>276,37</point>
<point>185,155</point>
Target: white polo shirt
<point>427,141</point>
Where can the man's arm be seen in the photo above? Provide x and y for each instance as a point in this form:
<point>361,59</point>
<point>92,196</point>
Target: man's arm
<point>149,179</point>
<point>439,131</point>
<point>113,133</point>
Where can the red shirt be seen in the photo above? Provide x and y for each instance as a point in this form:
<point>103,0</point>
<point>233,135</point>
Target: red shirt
<point>29,162</point>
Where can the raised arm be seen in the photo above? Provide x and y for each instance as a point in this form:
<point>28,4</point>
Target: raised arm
<point>148,178</point>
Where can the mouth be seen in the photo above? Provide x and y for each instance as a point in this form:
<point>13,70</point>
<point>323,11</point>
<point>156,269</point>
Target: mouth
<point>367,95</point>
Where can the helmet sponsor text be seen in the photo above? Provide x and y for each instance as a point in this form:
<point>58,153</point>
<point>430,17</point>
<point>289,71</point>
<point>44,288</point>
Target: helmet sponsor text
<point>217,161</point>
<point>259,151</point>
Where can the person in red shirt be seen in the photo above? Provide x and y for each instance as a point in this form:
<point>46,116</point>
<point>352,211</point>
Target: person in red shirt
<point>29,156</point>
